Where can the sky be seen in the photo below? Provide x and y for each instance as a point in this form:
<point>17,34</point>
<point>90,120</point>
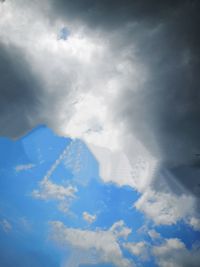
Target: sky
<point>99,136</point>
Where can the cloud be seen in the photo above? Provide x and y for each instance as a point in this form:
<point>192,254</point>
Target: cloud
<point>92,247</point>
<point>165,208</point>
<point>174,253</point>
<point>19,98</point>
<point>160,105</point>
<point>165,201</point>
<point>6,226</point>
<point>50,190</point>
<point>119,229</point>
<point>139,249</point>
<point>125,79</point>
<point>24,167</point>
<point>171,252</point>
<point>113,14</point>
<point>195,223</point>
<point>89,217</point>
<point>104,246</point>
<point>153,234</point>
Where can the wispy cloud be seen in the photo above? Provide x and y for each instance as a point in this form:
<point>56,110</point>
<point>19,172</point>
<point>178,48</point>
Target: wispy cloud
<point>49,190</point>
<point>24,167</point>
<point>6,225</point>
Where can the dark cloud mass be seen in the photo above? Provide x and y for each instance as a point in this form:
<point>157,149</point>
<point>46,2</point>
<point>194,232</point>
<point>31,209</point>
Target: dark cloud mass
<point>164,112</point>
<point>19,93</point>
<point>109,14</point>
<point>169,102</point>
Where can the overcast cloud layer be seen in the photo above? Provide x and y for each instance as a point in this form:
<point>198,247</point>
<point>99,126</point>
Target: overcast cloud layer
<point>125,80</point>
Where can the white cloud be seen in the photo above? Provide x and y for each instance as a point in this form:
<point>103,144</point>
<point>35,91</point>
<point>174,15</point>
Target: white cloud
<point>153,234</point>
<point>24,167</point>
<point>89,217</point>
<point>173,253</point>
<point>6,225</point>
<point>99,246</point>
<point>119,229</point>
<point>164,207</point>
<point>49,190</point>
<point>140,249</point>
<point>52,191</point>
<point>195,223</point>
<point>170,252</point>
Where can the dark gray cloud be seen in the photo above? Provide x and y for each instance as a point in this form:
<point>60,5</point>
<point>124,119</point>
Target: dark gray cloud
<point>20,93</point>
<point>166,37</point>
<point>164,112</point>
<point>109,14</point>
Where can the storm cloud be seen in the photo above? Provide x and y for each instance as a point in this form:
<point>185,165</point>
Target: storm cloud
<point>148,50</point>
<point>19,102</point>
<point>164,109</point>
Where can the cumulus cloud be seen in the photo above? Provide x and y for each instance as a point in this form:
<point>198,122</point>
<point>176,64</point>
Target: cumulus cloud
<point>140,249</point>
<point>171,252</point>
<point>105,246</point>
<point>125,79</point>
<point>92,247</point>
<point>89,217</point>
<point>195,222</point>
<point>165,208</point>
<point>174,253</point>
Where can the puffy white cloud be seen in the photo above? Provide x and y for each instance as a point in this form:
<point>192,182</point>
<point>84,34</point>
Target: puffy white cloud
<point>195,222</point>
<point>170,252</point>
<point>173,253</point>
<point>89,217</point>
<point>140,249</point>
<point>165,208</point>
<point>97,246</point>
<point>120,230</point>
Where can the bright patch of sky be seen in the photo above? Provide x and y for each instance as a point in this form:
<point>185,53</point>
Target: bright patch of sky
<point>74,200</point>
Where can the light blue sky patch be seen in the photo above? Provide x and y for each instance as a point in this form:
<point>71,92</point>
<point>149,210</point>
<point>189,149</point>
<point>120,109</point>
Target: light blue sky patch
<point>63,34</point>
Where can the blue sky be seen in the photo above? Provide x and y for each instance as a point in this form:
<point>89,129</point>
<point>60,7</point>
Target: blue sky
<point>24,229</point>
